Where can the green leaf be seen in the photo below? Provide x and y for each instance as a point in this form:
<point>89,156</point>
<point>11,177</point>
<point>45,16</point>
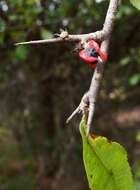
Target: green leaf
<point>125,61</point>
<point>136,3</point>
<point>45,34</point>
<point>137,184</point>
<point>105,163</point>
<point>21,53</point>
<point>135,79</point>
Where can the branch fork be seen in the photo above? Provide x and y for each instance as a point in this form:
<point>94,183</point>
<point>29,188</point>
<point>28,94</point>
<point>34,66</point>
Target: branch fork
<point>87,104</point>
<point>82,108</point>
<point>98,73</point>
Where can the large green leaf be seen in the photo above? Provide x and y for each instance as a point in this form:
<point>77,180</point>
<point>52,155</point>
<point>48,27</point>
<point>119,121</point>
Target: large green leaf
<point>136,3</point>
<point>105,163</point>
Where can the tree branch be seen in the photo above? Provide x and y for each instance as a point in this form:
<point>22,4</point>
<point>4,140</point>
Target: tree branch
<point>92,94</point>
<point>103,36</point>
<point>98,35</point>
<point>98,74</point>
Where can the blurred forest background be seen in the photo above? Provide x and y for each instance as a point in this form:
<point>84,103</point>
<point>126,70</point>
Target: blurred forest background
<point>40,85</point>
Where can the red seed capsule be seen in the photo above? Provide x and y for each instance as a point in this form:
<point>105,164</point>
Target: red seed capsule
<point>91,54</point>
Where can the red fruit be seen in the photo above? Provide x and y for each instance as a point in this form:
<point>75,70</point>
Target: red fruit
<point>91,53</point>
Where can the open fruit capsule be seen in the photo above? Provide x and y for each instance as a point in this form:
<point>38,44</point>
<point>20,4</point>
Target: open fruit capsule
<point>92,53</point>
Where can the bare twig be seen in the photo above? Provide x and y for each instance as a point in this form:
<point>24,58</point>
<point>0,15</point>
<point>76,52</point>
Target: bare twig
<point>98,73</point>
<point>82,108</point>
<point>99,35</point>
<point>102,36</point>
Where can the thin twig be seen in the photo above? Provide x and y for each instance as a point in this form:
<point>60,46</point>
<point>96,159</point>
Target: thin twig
<point>102,36</point>
<point>99,36</point>
<point>52,40</point>
<point>77,110</point>
<point>82,108</point>
<point>98,74</point>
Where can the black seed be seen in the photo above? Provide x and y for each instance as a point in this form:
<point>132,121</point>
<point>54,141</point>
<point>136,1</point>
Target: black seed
<point>94,53</point>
